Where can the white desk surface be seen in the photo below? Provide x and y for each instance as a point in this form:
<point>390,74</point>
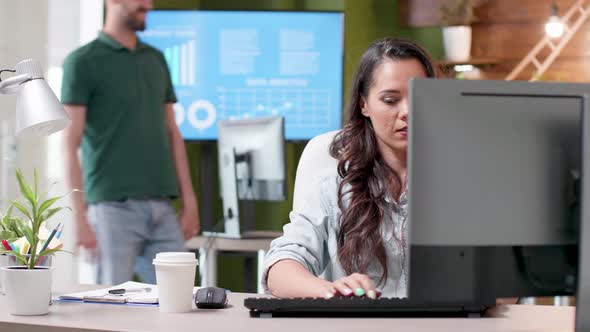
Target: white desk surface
<point>220,243</point>
<point>105,317</point>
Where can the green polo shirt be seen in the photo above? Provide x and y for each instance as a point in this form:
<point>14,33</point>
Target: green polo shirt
<point>126,151</point>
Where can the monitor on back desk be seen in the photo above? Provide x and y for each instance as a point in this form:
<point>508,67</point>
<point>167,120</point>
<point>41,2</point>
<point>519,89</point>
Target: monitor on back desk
<point>251,163</point>
<point>495,178</point>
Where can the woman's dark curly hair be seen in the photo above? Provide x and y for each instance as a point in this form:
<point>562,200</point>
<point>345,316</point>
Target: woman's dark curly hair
<point>362,167</point>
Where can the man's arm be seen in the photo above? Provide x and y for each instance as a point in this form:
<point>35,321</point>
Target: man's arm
<point>189,215</point>
<point>73,136</point>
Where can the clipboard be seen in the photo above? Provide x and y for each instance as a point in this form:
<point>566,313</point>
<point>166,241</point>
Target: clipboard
<point>102,295</point>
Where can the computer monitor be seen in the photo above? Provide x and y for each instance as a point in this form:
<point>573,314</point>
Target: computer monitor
<point>497,200</point>
<point>251,157</point>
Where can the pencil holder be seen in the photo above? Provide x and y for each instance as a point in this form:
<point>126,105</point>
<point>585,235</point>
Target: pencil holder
<point>44,261</point>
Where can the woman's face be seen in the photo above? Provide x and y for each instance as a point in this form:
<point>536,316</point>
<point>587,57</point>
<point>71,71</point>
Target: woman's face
<point>387,102</point>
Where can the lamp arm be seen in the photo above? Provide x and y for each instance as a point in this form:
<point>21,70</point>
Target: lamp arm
<point>11,84</point>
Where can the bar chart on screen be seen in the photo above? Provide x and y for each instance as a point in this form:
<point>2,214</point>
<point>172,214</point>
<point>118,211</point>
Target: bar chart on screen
<point>181,61</point>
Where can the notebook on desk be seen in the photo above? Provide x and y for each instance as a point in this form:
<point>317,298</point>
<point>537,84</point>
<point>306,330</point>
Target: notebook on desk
<point>148,297</point>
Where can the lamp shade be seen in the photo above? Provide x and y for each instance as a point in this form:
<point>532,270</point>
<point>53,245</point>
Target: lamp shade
<point>38,111</point>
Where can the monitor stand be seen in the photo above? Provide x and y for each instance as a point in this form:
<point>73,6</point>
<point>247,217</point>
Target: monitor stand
<point>229,195</point>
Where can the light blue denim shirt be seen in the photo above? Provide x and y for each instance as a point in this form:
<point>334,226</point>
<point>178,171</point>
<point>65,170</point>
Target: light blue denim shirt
<point>311,238</point>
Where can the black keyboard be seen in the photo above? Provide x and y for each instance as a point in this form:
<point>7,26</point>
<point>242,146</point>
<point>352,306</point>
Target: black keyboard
<point>356,307</point>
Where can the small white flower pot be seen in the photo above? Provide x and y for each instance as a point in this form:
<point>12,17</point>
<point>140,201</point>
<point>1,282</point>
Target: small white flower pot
<point>457,42</point>
<point>28,292</point>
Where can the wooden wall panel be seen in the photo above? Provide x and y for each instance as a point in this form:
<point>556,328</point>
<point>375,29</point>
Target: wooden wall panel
<point>517,11</point>
<point>507,30</point>
<point>566,69</point>
<point>420,13</point>
<point>512,40</point>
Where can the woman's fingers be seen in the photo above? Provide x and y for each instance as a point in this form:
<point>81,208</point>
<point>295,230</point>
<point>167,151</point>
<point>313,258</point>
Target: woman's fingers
<point>346,286</point>
<point>358,285</point>
<point>367,285</point>
<point>327,290</point>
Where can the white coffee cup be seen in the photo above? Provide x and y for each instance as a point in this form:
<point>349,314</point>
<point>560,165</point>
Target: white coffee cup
<point>175,276</point>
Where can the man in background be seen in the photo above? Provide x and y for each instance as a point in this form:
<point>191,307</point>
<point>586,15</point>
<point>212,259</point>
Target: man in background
<point>118,93</point>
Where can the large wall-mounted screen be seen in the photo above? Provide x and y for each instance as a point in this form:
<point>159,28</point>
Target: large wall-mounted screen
<point>245,64</point>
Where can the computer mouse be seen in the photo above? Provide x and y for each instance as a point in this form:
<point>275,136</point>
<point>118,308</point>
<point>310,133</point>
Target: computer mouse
<point>211,298</point>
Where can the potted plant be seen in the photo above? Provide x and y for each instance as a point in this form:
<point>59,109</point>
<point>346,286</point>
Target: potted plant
<point>28,286</point>
<point>456,18</point>
<point>11,229</point>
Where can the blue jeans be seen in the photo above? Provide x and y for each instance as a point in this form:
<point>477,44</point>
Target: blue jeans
<point>129,235</point>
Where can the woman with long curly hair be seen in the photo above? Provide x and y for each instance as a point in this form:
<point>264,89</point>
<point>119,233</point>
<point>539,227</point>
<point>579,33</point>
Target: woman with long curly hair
<point>349,236</point>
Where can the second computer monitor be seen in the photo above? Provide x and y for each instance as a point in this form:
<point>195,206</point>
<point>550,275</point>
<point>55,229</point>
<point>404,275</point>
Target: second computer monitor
<point>251,164</point>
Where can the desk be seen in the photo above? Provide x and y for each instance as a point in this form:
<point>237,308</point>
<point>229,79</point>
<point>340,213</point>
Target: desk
<point>71,317</point>
<point>208,248</point>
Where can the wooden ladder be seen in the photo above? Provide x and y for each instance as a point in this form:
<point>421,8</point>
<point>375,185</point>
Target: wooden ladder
<point>570,29</point>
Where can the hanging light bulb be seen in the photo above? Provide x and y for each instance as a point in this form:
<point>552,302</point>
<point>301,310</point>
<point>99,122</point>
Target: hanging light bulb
<point>554,27</point>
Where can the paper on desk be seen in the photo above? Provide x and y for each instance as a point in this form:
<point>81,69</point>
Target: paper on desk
<point>103,296</point>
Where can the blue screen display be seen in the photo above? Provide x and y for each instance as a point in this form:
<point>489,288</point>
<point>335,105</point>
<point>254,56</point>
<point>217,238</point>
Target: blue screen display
<point>244,64</point>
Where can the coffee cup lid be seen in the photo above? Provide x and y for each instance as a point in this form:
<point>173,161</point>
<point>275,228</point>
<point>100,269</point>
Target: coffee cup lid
<point>175,258</point>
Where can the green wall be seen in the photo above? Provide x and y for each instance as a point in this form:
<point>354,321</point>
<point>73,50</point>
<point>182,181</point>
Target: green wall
<point>370,20</point>
<point>365,21</point>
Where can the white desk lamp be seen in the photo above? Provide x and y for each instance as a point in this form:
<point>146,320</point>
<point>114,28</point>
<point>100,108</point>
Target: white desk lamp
<point>38,111</point>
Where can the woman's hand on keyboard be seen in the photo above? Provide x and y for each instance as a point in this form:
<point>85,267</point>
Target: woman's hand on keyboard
<point>356,284</point>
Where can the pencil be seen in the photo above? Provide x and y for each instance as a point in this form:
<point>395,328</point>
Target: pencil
<point>5,244</point>
<point>59,232</point>
<point>49,238</point>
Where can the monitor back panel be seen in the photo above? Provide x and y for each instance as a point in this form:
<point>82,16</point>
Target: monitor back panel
<point>493,163</point>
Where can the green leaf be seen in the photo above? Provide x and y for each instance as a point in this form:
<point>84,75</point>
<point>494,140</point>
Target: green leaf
<point>22,209</point>
<point>49,252</point>
<point>47,204</point>
<point>17,225</point>
<point>29,236</point>
<point>12,226</point>
<point>20,226</point>
<point>8,235</point>
<point>25,188</point>
<point>8,215</point>
<point>4,224</point>
<point>51,212</point>
<point>33,257</point>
